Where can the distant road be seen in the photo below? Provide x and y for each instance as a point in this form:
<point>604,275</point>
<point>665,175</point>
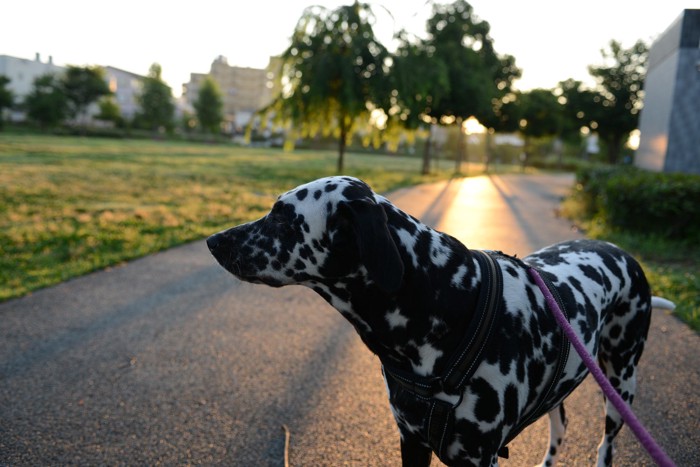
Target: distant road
<point>169,360</point>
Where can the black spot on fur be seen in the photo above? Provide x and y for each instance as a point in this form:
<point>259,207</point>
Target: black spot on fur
<point>535,370</point>
<point>615,382</point>
<point>487,405</point>
<point>610,424</point>
<point>510,405</point>
<point>301,194</point>
<point>608,455</point>
<point>322,293</point>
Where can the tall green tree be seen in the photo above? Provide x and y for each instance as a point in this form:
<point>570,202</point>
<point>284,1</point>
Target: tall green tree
<point>333,72</point>
<point>478,76</point>
<point>6,98</point>
<point>578,106</point>
<point>620,93</point>
<point>156,101</point>
<point>419,80</point>
<point>82,87</point>
<point>541,113</point>
<point>209,106</point>
<point>46,104</point>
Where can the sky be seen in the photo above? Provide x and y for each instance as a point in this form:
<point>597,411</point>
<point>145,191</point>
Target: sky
<point>551,40</point>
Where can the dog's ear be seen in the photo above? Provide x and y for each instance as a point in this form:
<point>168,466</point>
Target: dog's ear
<point>377,249</point>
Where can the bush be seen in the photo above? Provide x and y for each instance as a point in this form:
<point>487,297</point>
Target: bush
<point>591,182</point>
<point>667,204</point>
<point>645,202</point>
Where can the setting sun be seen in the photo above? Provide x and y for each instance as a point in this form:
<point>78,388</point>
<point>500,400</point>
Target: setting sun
<point>471,126</point>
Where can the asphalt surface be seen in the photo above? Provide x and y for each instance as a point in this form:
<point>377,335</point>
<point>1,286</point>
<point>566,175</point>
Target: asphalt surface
<point>170,360</point>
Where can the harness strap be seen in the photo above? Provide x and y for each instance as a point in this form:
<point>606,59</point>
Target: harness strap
<point>467,357</point>
<point>465,360</point>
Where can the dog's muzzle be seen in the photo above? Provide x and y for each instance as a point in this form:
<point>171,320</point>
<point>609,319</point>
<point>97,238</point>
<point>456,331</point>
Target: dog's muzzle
<point>214,241</point>
<point>217,245</point>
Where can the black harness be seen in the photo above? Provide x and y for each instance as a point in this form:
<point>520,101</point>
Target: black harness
<point>419,391</point>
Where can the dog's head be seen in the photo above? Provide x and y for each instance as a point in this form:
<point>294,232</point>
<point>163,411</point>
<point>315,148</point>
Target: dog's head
<point>319,233</point>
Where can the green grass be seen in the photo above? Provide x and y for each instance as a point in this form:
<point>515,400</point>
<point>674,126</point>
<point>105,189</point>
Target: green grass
<point>72,205</point>
<point>671,266</point>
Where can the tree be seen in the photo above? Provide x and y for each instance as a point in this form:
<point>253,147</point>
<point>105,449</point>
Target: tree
<point>156,101</point>
<point>619,94</point>
<point>541,113</point>
<point>110,112</point>
<point>209,106</point>
<point>82,87</point>
<point>419,80</point>
<point>333,73</point>
<point>540,116</point>
<point>46,104</point>
<point>6,98</point>
<point>478,76</point>
<point>578,108</point>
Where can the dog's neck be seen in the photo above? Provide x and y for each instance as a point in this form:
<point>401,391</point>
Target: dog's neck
<point>419,327</point>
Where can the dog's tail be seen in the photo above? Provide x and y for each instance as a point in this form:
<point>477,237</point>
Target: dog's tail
<point>662,303</point>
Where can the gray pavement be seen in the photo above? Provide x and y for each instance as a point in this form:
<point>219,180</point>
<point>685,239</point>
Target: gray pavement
<point>169,360</point>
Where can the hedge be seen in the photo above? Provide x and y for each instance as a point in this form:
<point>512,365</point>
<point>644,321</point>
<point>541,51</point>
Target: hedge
<point>644,202</point>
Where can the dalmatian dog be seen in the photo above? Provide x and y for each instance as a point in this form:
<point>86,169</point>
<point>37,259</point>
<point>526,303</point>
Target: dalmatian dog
<point>470,352</point>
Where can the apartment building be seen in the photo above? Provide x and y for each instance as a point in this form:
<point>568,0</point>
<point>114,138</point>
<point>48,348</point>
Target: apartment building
<point>244,90</point>
<point>22,72</point>
<point>126,86</point>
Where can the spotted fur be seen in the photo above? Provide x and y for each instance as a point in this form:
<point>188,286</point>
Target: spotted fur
<point>410,292</point>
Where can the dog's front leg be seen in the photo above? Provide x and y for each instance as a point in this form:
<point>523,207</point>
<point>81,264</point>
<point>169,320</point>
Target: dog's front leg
<point>414,453</point>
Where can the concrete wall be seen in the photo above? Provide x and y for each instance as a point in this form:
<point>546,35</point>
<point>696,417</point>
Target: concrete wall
<point>683,154</point>
<point>670,120</point>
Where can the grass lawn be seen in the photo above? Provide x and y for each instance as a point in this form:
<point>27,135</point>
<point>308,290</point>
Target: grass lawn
<point>72,205</point>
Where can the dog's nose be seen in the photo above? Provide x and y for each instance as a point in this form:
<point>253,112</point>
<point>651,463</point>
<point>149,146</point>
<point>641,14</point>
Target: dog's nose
<point>213,242</point>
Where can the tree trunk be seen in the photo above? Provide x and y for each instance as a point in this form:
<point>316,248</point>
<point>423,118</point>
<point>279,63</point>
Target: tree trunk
<point>460,148</point>
<point>487,150</point>
<point>465,142</point>
<point>341,146</point>
<point>426,152</point>
<point>614,147</point>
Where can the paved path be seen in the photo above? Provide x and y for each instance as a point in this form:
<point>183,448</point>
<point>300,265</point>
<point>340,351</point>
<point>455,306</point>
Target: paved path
<point>170,360</point>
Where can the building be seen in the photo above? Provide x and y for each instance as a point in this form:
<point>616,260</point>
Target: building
<point>670,120</point>
<point>126,86</point>
<point>244,90</point>
<point>22,72</point>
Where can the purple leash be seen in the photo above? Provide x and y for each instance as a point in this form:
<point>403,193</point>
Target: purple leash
<point>647,441</point>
